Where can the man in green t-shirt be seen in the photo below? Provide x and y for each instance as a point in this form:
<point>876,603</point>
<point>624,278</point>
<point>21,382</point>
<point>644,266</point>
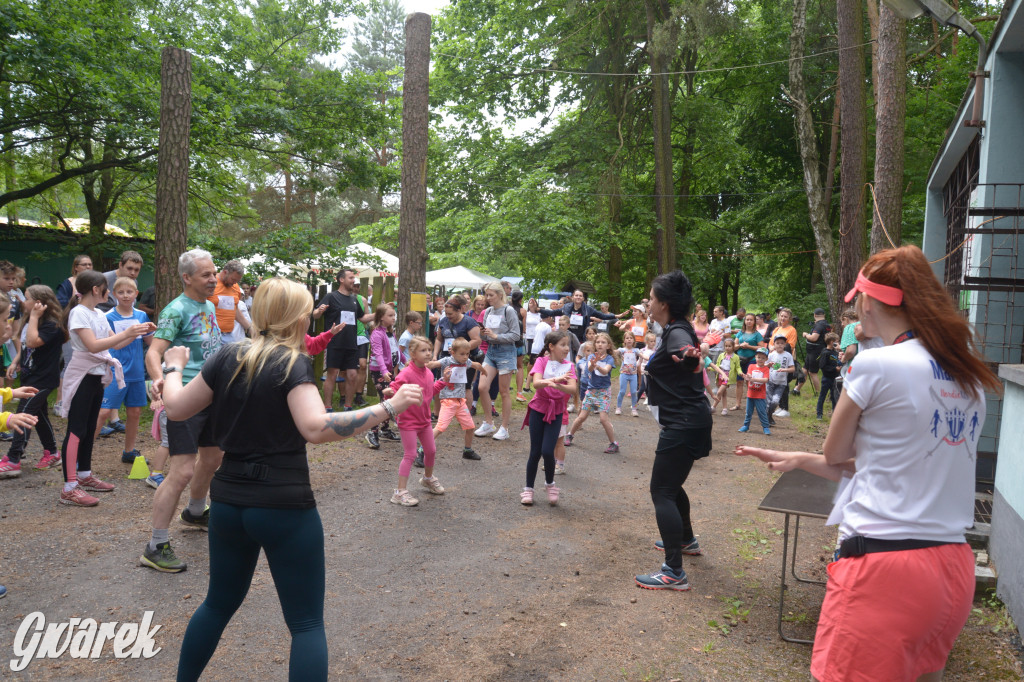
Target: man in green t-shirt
<point>190,320</point>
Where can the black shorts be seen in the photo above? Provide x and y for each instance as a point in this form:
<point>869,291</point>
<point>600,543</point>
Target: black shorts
<point>811,361</point>
<point>343,358</point>
<point>185,438</point>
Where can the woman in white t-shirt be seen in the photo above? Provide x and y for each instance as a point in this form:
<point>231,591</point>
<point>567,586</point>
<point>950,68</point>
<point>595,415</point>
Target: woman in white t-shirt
<point>902,444</point>
<point>84,380</point>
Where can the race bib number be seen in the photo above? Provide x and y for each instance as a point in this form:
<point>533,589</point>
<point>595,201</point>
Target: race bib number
<point>226,302</point>
<point>638,331</point>
<point>447,346</point>
<point>393,344</point>
<point>602,326</point>
<point>576,320</point>
<point>553,370</point>
<point>348,317</point>
<point>121,325</point>
<point>532,320</point>
<point>458,375</point>
<point>493,321</point>
<point>362,340</point>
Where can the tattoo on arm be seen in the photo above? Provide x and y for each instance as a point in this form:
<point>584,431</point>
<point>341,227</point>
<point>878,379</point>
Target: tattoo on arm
<point>347,423</point>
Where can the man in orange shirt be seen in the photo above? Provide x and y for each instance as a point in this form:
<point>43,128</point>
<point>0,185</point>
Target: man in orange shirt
<point>226,297</point>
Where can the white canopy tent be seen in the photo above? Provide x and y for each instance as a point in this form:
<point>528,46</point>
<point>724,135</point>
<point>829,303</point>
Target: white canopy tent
<point>351,257</point>
<point>458,277</point>
<point>363,270</point>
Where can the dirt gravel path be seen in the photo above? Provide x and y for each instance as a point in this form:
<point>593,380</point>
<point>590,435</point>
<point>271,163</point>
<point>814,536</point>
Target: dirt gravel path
<point>466,586</point>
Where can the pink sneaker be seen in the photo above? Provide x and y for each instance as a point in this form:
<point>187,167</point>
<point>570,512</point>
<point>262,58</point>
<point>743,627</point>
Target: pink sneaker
<point>49,460</point>
<point>76,497</point>
<point>9,469</point>
<point>526,497</point>
<point>95,485</point>
<point>553,491</point>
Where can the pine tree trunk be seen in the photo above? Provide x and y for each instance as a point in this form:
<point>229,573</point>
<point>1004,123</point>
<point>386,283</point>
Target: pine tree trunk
<point>412,246</point>
<point>890,115</point>
<point>853,131</point>
<point>809,156</point>
<point>171,229</point>
<point>658,13</point>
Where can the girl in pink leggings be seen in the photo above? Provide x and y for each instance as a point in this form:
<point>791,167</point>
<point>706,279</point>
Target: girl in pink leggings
<point>414,423</point>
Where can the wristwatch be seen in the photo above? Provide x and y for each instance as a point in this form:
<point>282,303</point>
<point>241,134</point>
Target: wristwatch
<point>169,370</point>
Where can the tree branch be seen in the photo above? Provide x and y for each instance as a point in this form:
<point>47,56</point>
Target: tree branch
<point>70,173</point>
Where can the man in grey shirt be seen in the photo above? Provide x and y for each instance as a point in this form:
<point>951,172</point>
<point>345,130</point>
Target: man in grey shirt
<point>130,267</point>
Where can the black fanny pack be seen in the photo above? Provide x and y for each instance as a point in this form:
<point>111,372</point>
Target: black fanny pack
<point>276,471</point>
<point>858,545</point>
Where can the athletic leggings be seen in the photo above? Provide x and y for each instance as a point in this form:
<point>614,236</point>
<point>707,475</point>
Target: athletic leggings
<point>83,413</point>
<point>674,457</point>
<point>628,381</point>
<point>409,437</point>
<point>543,438</point>
<point>34,405</point>
<point>293,540</point>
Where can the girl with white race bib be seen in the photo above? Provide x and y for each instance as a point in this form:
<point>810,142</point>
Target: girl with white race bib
<point>501,331</point>
<point>384,361</point>
<point>555,380</point>
<point>628,372</point>
<point>531,320</point>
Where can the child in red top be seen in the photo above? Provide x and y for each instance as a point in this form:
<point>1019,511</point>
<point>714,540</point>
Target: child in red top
<point>756,378</point>
<point>315,345</point>
<point>414,423</point>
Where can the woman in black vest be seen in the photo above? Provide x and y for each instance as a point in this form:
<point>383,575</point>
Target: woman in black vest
<point>676,394</point>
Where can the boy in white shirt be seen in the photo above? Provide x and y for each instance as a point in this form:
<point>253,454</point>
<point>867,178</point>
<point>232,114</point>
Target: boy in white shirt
<point>781,363</point>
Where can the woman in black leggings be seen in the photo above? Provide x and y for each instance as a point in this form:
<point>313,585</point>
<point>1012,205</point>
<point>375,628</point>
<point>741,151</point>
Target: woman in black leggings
<point>675,386</point>
<point>266,408</point>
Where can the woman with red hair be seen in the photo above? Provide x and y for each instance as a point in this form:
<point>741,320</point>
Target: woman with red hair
<point>902,445</point>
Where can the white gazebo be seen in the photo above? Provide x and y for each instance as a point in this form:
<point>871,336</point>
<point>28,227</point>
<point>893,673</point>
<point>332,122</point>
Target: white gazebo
<point>357,252</point>
<point>458,277</point>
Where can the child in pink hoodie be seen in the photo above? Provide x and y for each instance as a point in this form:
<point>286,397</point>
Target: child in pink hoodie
<point>414,423</point>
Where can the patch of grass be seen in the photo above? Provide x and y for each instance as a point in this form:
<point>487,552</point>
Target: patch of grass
<point>798,618</point>
<point>991,613</point>
<point>753,544</point>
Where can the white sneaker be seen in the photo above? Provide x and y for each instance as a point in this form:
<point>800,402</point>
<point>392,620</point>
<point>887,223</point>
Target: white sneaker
<point>502,434</point>
<point>569,409</point>
<point>618,410</point>
<point>432,485</point>
<point>781,413</point>
<point>485,429</point>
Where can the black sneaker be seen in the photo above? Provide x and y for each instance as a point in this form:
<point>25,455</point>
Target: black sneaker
<point>771,422</point>
<point>358,400</point>
<point>494,412</point>
<point>472,410</point>
<point>202,522</point>
<point>470,453</point>
<point>387,434</point>
<point>795,391</point>
<point>692,548</point>
<point>129,457</point>
<point>419,457</point>
<point>665,579</point>
<point>372,439</point>
<point>162,559</point>
<point>6,436</point>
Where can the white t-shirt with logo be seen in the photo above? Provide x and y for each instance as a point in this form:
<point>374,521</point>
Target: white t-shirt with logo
<point>916,447</point>
<point>779,362</point>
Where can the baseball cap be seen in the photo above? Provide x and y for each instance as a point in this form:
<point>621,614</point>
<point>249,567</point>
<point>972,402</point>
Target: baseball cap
<point>819,311</point>
<point>762,350</point>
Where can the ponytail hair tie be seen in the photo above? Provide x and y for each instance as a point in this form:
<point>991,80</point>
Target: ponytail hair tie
<point>263,332</point>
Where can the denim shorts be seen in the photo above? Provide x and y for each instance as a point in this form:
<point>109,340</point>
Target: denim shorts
<point>502,357</point>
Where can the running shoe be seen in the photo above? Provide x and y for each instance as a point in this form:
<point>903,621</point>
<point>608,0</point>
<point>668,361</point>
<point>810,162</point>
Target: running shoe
<point>526,497</point>
<point>553,491</point>
<point>387,434</point>
<point>568,440</point>
<point>106,431</point>
<point>418,462</point>
<point>432,485</point>
<point>202,522</point>
<point>162,558</point>
<point>781,413</point>
<point>6,436</point>
<point>154,480</point>
<point>635,413</point>
<point>743,429</point>
<point>725,412</point>
<point>559,468</point>
<point>767,432</point>
<point>795,391</point>
<point>692,548</point>
<point>95,485</point>
<point>470,453</point>
<point>570,408</point>
<point>359,400</point>
<point>501,434</point>
<point>76,497</point>
<point>485,429</point>
<point>472,411</point>
<point>49,460</point>
<point>611,449</point>
<point>771,422</point>
<point>373,440</point>
<point>9,469</point>
<point>618,410</point>
<point>3,591</point>
<point>129,456</point>
<point>520,397</point>
<point>403,498</point>
<point>665,579</point>
<point>494,412</point>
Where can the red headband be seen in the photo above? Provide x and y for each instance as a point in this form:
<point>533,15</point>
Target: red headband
<point>884,293</point>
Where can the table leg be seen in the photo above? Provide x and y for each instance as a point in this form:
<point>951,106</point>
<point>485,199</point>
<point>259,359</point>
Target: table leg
<point>783,587</point>
<point>796,541</point>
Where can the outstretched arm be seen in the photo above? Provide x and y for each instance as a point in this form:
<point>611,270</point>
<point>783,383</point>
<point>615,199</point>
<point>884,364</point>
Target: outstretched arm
<point>779,460</point>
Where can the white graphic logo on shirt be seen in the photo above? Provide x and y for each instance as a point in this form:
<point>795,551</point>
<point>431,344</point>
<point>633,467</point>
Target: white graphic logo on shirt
<point>951,426</point>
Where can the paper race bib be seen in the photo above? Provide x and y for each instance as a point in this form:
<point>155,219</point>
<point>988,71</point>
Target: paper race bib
<point>348,317</point>
<point>493,321</point>
<point>226,302</point>
<point>393,343</point>
<point>458,375</point>
<point>576,320</point>
<point>362,340</point>
<point>447,345</point>
<point>602,326</point>
<point>638,332</point>
<point>553,370</point>
<point>121,325</point>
